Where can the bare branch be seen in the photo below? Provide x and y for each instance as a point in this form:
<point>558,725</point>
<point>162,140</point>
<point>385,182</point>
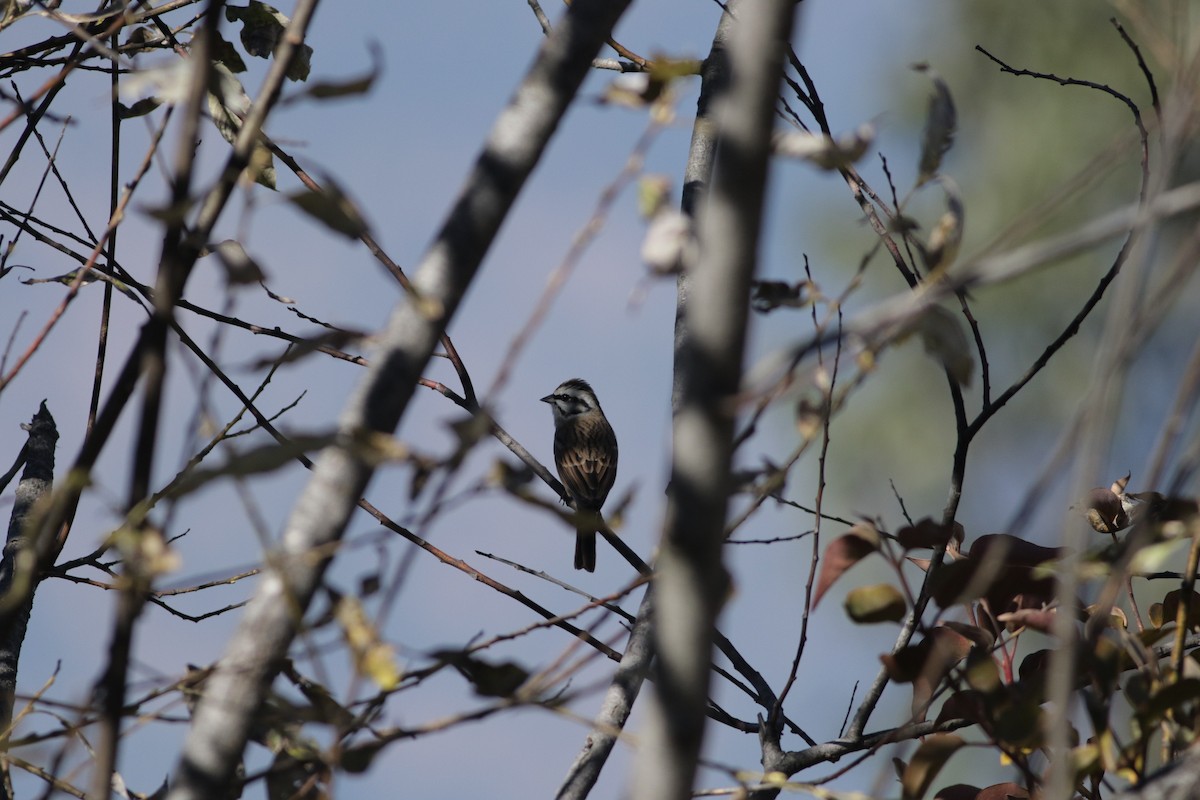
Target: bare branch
<point>224,717</point>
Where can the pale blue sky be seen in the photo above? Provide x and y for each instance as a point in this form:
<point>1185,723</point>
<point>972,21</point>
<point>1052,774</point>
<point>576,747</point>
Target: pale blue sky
<point>401,152</point>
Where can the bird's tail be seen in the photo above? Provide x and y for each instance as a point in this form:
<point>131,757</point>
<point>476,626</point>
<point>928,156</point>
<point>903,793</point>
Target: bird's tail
<point>585,549</point>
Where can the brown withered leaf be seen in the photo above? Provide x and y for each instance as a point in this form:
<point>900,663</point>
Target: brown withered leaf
<point>927,762</point>
<point>941,120</point>
<point>843,553</point>
<point>1003,791</point>
<point>905,664</point>
<point>1170,608</point>
<point>1039,619</point>
<point>1010,565</point>
<point>978,636</point>
<point>1034,666</point>
<point>969,704</point>
<point>926,663</point>
<point>921,563</point>
<point>1105,512</point>
<point>928,534</point>
<point>1000,568</point>
<point>957,791</point>
<point>1013,550</point>
<point>950,584</point>
<point>947,648</point>
<point>1116,616</point>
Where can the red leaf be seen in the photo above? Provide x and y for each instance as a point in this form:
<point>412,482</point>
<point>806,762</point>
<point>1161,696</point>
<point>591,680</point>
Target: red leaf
<point>1039,619</point>
<point>977,635</point>
<point>1003,791</point>
<point>843,553</point>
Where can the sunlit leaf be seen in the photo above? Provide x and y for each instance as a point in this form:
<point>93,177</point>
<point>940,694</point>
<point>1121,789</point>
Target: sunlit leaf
<point>982,672</point>
<point>825,152</point>
<point>940,249</point>
<point>879,603</point>
<point>372,657</point>
<point>653,194</point>
<point>168,84</point>
<point>1158,556</point>
<point>670,244</point>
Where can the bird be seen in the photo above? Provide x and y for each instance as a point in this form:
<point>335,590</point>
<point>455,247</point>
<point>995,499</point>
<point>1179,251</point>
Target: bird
<point>585,453</point>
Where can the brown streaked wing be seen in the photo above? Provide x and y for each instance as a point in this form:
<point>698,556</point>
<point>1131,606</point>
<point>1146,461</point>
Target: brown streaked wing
<point>586,453</point>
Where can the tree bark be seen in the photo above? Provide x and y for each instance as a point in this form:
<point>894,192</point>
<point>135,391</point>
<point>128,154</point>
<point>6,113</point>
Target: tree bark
<point>520,134</point>
<point>690,582</point>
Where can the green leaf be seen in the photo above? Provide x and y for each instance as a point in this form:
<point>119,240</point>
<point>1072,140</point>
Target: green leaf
<point>879,603</point>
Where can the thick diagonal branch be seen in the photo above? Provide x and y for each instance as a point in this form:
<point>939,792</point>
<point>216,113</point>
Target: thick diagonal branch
<point>236,689</point>
<point>690,582</point>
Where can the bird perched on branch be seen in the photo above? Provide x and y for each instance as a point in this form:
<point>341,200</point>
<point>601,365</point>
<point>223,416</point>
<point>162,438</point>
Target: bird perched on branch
<point>585,453</point>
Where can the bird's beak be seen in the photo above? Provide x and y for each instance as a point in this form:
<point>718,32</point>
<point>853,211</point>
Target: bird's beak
<point>548,398</point>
